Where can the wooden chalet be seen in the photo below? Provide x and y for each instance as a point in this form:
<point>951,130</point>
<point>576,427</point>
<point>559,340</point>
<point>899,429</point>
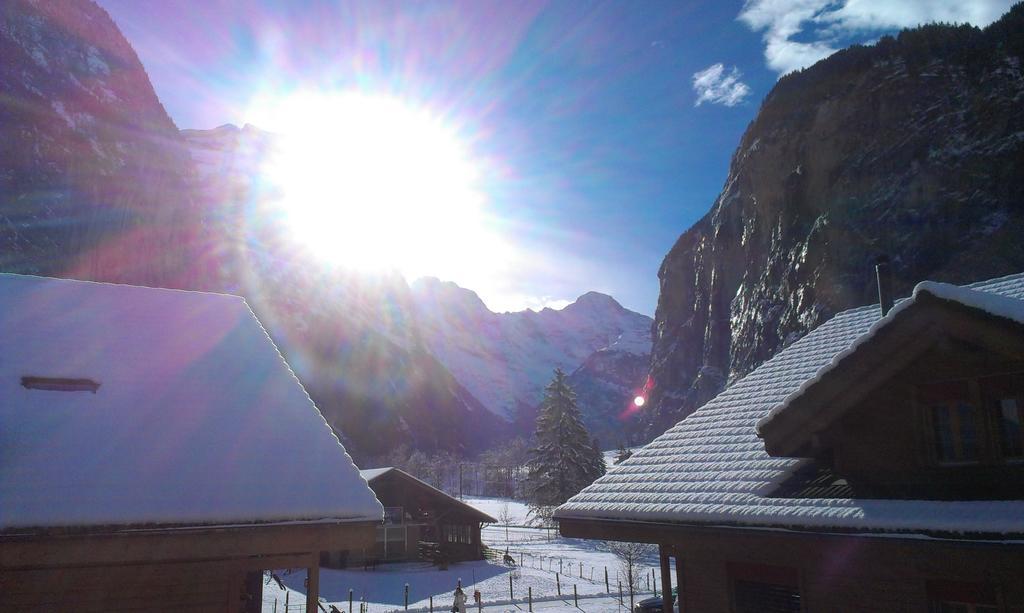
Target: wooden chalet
<point>420,522</point>
<point>877,464</point>
<point>157,454</point>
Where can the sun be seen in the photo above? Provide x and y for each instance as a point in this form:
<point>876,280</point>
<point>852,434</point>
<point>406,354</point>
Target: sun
<point>370,182</point>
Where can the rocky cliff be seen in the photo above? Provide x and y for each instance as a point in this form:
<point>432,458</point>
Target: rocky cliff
<point>91,170</point>
<point>912,147</point>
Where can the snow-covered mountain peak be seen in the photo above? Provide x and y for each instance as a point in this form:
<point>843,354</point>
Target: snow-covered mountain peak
<point>505,359</point>
<point>595,303</point>
<point>434,294</point>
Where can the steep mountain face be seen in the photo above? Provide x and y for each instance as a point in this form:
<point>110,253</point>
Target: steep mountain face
<point>911,148</point>
<point>506,359</point>
<point>605,385</point>
<point>91,171</point>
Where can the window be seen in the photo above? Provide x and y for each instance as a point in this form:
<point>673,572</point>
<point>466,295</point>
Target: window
<point>961,597</point>
<point>458,534</point>
<point>393,515</point>
<point>954,421</point>
<point>760,588</point>
<point>1004,396</point>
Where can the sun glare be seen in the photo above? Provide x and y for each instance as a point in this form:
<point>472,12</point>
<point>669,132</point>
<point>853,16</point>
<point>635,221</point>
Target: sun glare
<point>368,182</point>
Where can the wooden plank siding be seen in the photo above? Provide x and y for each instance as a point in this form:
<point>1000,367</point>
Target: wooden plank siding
<point>176,570</point>
<point>837,573</point>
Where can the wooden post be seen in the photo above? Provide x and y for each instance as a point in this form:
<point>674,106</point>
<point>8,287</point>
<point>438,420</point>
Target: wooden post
<point>679,582</point>
<point>313,590</point>
<point>581,570</point>
<point>575,596</point>
<point>275,604</point>
<point>606,588</point>
<point>520,558</point>
<point>529,596</point>
<point>666,578</point>
<point>620,592</point>
<point>406,596</point>
<point>431,603</point>
<point>558,584</point>
<point>510,596</point>
<point>349,600</point>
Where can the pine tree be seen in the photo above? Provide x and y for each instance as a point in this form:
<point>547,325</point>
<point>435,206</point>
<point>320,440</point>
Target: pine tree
<point>565,459</point>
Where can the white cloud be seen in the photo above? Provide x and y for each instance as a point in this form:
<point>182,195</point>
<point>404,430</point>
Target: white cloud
<point>824,25</point>
<point>716,85</point>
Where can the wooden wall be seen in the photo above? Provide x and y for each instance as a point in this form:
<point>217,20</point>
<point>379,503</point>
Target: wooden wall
<point>841,574</point>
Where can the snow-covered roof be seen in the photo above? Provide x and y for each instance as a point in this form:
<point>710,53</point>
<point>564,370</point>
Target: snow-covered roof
<point>711,468</point>
<point>987,302</point>
<point>372,474</point>
<point>197,418</point>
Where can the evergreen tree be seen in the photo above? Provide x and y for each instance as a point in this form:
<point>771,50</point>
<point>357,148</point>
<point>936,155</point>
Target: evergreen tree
<point>565,459</point>
<point>597,460</point>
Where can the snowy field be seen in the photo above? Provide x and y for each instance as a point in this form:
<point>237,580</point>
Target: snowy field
<point>547,565</point>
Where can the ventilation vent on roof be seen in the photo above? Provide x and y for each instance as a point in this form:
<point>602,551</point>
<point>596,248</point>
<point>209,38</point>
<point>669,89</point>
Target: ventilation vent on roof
<point>60,384</point>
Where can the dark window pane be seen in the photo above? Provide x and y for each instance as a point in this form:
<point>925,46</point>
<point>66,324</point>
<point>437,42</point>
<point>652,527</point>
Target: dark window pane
<point>1010,427</point>
<point>968,433</point>
<point>758,597</point>
<point>944,433</point>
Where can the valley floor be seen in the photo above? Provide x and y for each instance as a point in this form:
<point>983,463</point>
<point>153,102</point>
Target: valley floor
<point>549,566</point>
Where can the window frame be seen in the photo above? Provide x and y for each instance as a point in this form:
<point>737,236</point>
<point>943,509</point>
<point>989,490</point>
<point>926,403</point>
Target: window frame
<point>952,404</point>
<point>996,389</point>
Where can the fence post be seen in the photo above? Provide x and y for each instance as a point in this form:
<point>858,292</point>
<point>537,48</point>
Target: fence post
<point>349,600</point>
<point>406,596</point>
<point>558,584</point>
<point>620,592</point>
<point>575,596</point>
<point>606,588</point>
<point>510,596</point>
<point>581,570</point>
<point>654,580</point>
<point>431,603</point>
<point>275,604</point>
<point>529,596</point>
<point>559,564</point>
<point>520,558</point>
<point>286,595</point>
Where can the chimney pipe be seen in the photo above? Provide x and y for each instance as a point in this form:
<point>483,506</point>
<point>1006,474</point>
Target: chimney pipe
<point>884,274</point>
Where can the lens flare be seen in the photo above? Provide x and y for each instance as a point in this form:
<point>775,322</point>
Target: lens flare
<point>371,183</point>
<point>639,401</point>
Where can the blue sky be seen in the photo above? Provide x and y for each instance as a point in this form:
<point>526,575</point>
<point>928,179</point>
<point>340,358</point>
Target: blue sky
<point>607,128</point>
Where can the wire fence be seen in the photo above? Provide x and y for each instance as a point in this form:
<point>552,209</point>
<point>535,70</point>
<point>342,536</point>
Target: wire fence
<point>569,574</point>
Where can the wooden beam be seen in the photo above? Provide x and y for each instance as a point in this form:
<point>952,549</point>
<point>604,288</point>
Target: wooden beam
<point>313,585</point>
<point>679,580</point>
<point>193,544</point>
<point>666,578</point>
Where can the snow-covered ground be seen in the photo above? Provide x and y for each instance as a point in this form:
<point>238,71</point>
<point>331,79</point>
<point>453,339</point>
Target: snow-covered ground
<point>547,565</point>
<point>610,455</point>
<point>519,513</point>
